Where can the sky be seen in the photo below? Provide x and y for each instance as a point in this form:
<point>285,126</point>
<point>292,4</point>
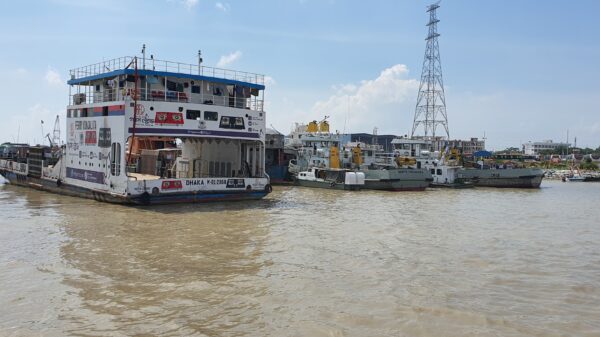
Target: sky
<point>514,71</point>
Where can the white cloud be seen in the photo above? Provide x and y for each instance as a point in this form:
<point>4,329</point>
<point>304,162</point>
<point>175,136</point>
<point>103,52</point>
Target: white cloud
<point>223,6</point>
<point>189,4</point>
<point>384,102</point>
<point>226,60</point>
<point>53,77</point>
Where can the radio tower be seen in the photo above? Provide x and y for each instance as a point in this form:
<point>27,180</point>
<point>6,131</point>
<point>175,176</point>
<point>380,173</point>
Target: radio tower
<point>431,102</point>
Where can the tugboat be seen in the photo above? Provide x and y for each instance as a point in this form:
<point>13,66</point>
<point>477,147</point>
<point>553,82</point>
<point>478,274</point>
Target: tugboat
<point>503,170</point>
<point>317,147</point>
<point>212,120</point>
<point>338,179</point>
<point>444,167</point>
<point>384,171</point>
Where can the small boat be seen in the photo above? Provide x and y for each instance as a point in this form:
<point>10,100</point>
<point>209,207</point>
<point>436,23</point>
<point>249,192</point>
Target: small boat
<point>338,179</point>
<point>575,178</point>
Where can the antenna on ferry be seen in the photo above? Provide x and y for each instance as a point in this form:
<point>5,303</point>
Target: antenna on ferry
<point>199,62</point>
<point>42,124</point>
<point>144,56</point>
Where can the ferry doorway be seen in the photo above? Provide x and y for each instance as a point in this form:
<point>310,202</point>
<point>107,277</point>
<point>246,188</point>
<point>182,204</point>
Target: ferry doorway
<point>253,159</point>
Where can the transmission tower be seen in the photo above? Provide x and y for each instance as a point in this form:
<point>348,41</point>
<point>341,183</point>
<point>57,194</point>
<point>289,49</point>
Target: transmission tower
<point>431,101</point>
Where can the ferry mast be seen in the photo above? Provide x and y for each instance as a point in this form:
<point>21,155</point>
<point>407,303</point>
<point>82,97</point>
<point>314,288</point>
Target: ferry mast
<point>430,111</point>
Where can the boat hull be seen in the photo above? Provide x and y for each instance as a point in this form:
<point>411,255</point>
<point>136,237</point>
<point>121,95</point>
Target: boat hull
<point>397,179</point>
<point>453,185</point>
<point>327,185</point>
<point>52,186</point>
<point>279,175</point>
<point>506,178</point>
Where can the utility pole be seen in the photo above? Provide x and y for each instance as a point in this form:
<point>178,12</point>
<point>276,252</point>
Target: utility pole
<point>430,111</point>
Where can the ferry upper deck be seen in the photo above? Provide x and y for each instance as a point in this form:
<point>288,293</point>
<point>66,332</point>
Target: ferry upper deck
<point>158,80</point>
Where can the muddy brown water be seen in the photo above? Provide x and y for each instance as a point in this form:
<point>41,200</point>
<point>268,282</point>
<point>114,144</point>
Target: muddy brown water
<point>305,262</point>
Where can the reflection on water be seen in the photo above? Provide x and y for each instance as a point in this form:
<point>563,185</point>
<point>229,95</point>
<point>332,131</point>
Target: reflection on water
<point>305,262</point>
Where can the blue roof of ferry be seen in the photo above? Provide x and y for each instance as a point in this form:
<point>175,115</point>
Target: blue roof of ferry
<point>145,72</point>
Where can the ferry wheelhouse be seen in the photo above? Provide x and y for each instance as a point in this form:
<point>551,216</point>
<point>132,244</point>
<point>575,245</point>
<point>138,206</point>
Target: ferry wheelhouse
<point>145,131</point>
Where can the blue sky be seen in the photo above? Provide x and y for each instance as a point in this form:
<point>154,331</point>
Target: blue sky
<point>516,70</point>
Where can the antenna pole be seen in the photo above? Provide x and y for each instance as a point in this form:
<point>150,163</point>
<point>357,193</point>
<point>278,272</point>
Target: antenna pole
<point>199,62</point>
<point>144,56</point>
<point>430,111</point>
<point>135,109</point>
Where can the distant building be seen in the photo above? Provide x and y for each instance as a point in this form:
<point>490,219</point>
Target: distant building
<point>534,148</point>
<point>466,147</point>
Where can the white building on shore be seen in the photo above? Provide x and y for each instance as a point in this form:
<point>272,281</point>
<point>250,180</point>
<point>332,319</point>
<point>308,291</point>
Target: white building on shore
<point>534,148</point>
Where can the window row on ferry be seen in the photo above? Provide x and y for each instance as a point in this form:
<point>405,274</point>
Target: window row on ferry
<point>154,88</point>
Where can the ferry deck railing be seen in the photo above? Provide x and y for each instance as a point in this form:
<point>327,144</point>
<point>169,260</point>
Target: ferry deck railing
<point>167,66</point>
<point>123,94</point>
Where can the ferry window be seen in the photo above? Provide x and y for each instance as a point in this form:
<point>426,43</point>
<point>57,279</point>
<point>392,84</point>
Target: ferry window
<point>432,171</point>
<point>171,86</point>
<point>211,115</point>
<point>104,137</point>
<point>439,172</point>
<point>228,122</point>
<point>84,112</point>
<point>195,89</point>
<point>105,111</point>
<point>192,114</point>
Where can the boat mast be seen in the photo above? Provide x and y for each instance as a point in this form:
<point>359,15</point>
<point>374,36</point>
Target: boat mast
<point>135,106</point>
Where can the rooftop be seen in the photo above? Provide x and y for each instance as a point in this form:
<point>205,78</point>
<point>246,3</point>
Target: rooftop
<point>125,66</point>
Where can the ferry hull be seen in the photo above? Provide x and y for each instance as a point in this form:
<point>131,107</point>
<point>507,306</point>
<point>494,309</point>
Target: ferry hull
<point>141,199</point>
<point>504,178</point>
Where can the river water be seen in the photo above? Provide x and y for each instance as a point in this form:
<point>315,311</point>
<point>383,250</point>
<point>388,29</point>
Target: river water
<point>305,262</point>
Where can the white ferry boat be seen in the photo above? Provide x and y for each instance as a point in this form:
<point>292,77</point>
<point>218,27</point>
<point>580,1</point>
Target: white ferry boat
<point>144,131</point>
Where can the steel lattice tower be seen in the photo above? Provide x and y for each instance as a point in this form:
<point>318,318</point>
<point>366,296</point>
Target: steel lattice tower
<point>431,102</point>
